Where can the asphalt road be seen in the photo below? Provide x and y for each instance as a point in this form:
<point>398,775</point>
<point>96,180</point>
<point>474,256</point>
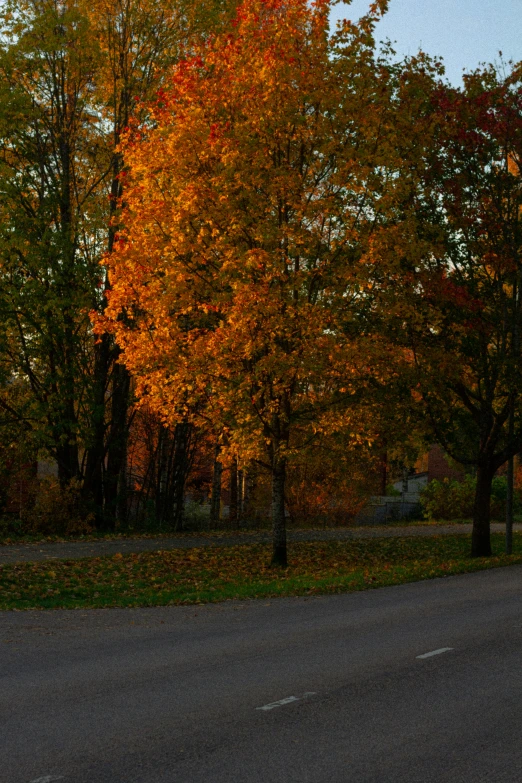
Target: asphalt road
<point>15,553</point>
<point>172,694</point>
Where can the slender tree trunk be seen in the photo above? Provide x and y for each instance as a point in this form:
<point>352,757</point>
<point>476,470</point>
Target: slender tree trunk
<point>93,479</point>
<point>117,442</point>
<point>481,538</point>
<point>184,434</point>
<point>123,489</point>
<point>279,553</point>
<point>384,472</point>
<point>510,482</point>
<point>232,516</point>
<point>182,468</point>
<point>178,468</point>
<point>160,504</point>
<point>241,485</point>
<point>247,493</point>
<point>404,481</point>
<point>64,415</point>
<point>215,501</point>
<point>118,434</point>
<point>509,508</point>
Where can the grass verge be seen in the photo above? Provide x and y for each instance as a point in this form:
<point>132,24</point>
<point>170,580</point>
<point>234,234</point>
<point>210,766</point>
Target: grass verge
<point>197,576</point>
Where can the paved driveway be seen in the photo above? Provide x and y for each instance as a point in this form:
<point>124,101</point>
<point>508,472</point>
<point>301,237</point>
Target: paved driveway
<point>75,549</point>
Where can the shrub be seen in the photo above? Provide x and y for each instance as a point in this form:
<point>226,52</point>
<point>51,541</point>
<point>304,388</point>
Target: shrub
<point>498,498</point>
<point>58,511</point>
<point>321,495</point>
<point>392,492</point>
<point>448,499</point>
<point>196,515</point>
<point>10,527</point>
<point>454,499</point>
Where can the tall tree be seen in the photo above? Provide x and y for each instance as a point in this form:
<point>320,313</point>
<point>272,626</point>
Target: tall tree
<point>47,147</point>
<point>461,277</point>
<point>72,74</point>
<point>139,40</point>
<point>249,204</point>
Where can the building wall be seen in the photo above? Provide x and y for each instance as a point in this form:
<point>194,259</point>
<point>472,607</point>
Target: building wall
<point>440,468</point>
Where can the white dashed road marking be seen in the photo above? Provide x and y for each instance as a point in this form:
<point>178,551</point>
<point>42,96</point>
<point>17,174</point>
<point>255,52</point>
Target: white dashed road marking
<point>279,703</point>
<point>435,652</point>
<point>287,700</point>
<point>47,779</point>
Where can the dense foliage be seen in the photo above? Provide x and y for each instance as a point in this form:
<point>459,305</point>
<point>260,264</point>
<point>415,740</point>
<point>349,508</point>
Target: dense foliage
<point>453,500</point>
<point>238,246</point>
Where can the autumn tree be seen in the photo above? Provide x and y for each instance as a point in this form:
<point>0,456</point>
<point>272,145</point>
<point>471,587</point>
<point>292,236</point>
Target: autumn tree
<point>72,74</point>
<point>236,290</point>
<point>459,293</point>
<point>46,177</point>
<point>138,40</point>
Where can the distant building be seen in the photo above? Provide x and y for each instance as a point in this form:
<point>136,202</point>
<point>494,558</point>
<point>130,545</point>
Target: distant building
<point>440,467</point>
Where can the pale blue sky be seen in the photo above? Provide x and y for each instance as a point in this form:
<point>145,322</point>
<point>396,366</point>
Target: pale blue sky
<point>462,32</point>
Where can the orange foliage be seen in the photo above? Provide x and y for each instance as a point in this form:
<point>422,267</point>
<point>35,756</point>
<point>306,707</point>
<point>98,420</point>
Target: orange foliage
<point>248,208</point>
<point>236,234</point>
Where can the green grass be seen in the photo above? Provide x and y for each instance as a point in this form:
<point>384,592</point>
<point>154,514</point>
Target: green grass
<point>219,573</point>
<point>431,522</point>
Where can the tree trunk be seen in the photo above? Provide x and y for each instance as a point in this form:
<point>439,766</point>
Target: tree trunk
<point>93,479</point>
<point>510,482</point>
<point>67,459</point>
<point>183,436</point>
<point>160,493</point>
<point>279,553</point>
<point>123,490</point>
<point>179,467</point>
<point>241,495</point>
<point>384,472</point>
<point>232,515</point>
<point>64,420</point>
<point>509,508</point>
<point>117,447</point>
<point>118,434</point>
<point>481,539</point>
<point>215,502</point>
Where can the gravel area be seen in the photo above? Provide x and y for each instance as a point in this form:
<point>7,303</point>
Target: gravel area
<point>17,553</point>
